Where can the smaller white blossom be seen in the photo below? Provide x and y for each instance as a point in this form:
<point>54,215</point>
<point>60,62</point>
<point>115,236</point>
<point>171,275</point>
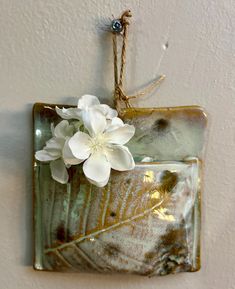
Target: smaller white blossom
<point>57,152</point>
<point>147,160</point>
<point>86,103</point>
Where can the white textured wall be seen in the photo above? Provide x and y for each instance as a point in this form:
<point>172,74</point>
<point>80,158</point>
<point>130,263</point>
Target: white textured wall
<point>53,50</point>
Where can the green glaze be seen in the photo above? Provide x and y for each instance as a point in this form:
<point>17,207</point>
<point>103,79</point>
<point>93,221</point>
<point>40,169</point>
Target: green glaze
<point>145,221</point>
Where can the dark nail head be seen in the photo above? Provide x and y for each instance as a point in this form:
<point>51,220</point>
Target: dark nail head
<point>116,26</point>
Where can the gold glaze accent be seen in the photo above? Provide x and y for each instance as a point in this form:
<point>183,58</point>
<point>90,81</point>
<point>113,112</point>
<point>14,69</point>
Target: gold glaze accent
<point>133,207</point>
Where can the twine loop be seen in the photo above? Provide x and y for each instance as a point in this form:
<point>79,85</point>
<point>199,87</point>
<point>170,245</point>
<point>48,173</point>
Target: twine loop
<point>120,97</point>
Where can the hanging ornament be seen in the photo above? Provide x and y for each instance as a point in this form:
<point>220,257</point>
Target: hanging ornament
<point>118,190</point>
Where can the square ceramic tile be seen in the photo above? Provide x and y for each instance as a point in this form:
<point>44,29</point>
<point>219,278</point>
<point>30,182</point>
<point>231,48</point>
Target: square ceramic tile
<point>145,221</point>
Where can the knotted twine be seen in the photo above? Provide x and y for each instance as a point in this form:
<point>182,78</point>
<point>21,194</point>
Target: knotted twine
<point>120,97</point>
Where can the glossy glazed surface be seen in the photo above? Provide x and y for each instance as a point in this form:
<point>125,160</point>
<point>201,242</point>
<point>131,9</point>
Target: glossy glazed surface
<point>167,133</point>
<point>146,221</point>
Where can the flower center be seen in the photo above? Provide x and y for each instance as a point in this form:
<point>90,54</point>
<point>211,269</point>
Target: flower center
<point>97,143</point>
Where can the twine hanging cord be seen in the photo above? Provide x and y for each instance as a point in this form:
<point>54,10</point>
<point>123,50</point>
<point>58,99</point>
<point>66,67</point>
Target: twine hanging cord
<point>119,95</point>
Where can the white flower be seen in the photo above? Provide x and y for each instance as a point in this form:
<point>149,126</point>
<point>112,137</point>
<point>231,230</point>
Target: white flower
<point>99,144</point>
<point>103,148</point>
<point>58,153</point>
<point>86,103</point>
<point>147,160</point>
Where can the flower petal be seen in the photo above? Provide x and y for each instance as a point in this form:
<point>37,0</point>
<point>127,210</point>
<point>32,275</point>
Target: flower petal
<point>115,123</point>
<point>120,158</point>
<point>52,129</point>
<point>69,113</point>
<point>120,135</point>
<point>63,129</point>
<point>147,160</point>
<point>108,112</point>
<point>68,157</point>
<point>54,146</point>
<point>45,156</point>
<point>80,145</point>
<point>99,184</point>
<point>51,151</point>
<point>87,101</point>
<point>97,169</point>
<point>59,171</point>
<point>55,143</point>
<point>94,121</point>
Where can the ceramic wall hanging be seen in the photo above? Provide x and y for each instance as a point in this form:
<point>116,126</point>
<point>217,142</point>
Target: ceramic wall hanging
<point>117,191</point>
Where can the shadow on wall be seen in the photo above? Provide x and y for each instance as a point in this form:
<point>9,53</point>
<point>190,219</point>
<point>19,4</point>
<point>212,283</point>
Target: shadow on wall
<point>16,157</point>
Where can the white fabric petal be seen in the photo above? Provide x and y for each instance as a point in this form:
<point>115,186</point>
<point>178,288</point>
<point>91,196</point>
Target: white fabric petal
<point>115,123</point>
<point>55,143</point>
<point>80,145</point>
<point>94,121</point>
<point>69,113</point>
<point>44,156</point>
<point>99,184</point>
<point>59,171</point>
<point>97,169</point>
<point>52,129</point>
<point>120,135</point>
<point>54,146</point>
<point>108,112</point>
<point>63,129</point>
<point>87,101</point>
<point>68,157</point>
<point>51,151</point>
<point>147,160</point>
<point>120,158</point>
